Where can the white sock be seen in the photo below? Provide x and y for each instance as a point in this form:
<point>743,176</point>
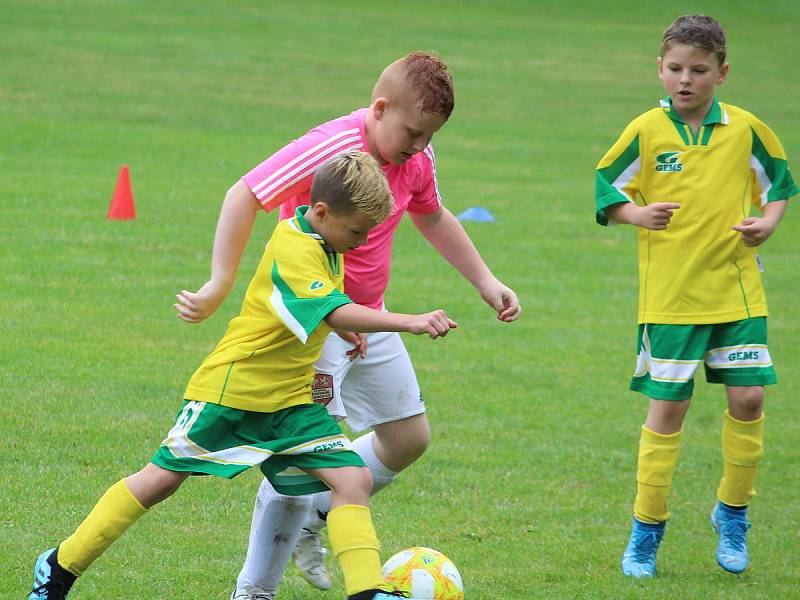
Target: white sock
<point>277,522</point>
<point>381,474</point>
<point>381,477</point>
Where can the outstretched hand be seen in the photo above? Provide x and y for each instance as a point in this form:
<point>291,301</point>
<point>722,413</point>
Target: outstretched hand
<point>194,307</point>
<point>501,298</point>
<point>435,324</point>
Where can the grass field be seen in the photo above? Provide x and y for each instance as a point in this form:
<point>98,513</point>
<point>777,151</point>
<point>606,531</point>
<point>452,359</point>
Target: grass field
<point>529,480</point>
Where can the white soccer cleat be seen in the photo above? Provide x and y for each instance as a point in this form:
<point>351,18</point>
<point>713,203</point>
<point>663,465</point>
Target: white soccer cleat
<point>309,557</point>
<point>252,593</point>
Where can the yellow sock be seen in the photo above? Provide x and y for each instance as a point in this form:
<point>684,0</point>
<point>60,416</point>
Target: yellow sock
<point>110,517</point>
<point>356,546</point>
<point>658,456</point>
<point>742,449</point>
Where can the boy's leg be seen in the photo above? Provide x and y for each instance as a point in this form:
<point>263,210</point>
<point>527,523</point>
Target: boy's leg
<point>274,531</point>
<point>668,356</point>
<point>267,559</point>
<point>742,445</point>
<point>379,392</point>
<point>742,449</point>
<point>116,510</point>
<point>351,532</point>
<point>739,358</point>
<point>659,447</point>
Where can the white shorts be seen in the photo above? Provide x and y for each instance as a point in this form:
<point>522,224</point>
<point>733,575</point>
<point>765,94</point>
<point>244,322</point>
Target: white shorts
<point>367,391</point>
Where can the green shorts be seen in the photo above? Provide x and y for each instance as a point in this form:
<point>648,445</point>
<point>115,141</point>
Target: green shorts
<point>209,439</point>
<point>734,354</point>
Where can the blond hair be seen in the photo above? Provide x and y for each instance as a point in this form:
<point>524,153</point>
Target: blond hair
<point>353,182</point>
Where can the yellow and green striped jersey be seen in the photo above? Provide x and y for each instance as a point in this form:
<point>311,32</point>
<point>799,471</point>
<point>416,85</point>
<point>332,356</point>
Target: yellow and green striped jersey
<point>264,361</point>
<point>697,271</point>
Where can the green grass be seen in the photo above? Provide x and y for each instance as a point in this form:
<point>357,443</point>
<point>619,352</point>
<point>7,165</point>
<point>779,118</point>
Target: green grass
<point>529,480</point>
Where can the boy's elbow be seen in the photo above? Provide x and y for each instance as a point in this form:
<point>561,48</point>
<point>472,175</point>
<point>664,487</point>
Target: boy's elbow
<point>240,194</point>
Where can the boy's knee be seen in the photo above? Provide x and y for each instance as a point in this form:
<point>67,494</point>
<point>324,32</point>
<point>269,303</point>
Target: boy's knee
<point>362,481</point>
<point>745,403</point>
<point>154,484</point>
<point>400,443</point>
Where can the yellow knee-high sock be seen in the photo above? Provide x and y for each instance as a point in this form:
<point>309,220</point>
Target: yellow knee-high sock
<point>116,510</point>
<point>742,449</point>
<point>658,455</point>
<point>356,546</point>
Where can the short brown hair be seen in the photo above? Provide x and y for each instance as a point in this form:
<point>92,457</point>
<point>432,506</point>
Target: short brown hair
<point>699,31</point>
<point>353,182</point>
<point>428,76</point>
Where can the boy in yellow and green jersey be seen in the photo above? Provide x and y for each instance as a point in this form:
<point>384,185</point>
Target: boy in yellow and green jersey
<point>249,403</point>
<point>687,174</point>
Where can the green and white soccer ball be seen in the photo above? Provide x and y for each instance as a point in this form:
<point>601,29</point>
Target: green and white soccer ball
<point>425,574</point>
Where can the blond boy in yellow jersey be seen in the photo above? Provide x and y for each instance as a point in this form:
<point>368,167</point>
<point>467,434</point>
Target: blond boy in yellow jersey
<point>687,174</point>
<point>249,403</point>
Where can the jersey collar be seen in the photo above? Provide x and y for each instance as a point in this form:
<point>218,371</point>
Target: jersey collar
<point>305,227</point>
<point>716,114</point>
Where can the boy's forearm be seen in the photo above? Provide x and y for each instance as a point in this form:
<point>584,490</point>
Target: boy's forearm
<point>445,233</point>
<point>774,211</point>
<point>623,213</point>
<point>354,317</point>
<point>235,223</point>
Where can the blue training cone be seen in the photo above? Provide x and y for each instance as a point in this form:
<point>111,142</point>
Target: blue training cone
<point>476,213</point>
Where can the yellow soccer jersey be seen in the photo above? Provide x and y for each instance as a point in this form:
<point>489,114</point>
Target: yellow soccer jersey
<point>264,361</point>
<point>697,271</point>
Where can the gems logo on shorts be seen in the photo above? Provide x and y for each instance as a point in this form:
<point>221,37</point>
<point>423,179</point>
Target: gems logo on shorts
<point>322,388</point>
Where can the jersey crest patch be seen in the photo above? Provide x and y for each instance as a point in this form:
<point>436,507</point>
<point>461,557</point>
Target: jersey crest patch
<point>322,388</point>
<point>669,162</point>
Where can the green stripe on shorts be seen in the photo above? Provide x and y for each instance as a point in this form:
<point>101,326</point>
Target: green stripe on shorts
<point>216,440</point>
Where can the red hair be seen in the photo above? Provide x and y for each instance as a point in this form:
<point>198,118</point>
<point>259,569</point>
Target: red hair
<point>427,75</point>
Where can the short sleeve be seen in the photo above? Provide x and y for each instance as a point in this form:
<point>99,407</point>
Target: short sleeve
<point>618,175</point>
<point>303,292</point>
<point>426,198</point>
<point>289,172</point>
<point>771,177</point>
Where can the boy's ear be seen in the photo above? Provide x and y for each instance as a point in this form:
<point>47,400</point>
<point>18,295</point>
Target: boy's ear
<point>321,210</point>
<point>379,107</point>
<point>658,62</point>
<point>723,73</point>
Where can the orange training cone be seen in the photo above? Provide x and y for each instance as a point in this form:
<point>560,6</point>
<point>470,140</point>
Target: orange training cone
<point>122,207</point>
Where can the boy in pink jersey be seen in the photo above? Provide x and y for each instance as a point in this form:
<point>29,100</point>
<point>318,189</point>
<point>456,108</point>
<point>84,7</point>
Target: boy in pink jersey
<point>375,389</point>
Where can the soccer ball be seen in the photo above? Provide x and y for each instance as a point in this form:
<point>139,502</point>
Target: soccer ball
<point>425,574</point>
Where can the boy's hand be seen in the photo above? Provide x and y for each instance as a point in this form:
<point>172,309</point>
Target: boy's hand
<point>655,216</point>
<point>197,306</point>
<point>755,230</point>
<point>502,299</point>
<point>435,324</point>
<point>359,341</point>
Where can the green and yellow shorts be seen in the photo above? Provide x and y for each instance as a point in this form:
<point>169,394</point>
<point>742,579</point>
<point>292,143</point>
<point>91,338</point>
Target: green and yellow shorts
<point>209,439</point>
<point>734,354</point>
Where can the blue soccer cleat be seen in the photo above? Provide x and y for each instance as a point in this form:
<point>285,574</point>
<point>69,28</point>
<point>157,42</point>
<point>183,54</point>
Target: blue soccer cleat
<point>732,526</point>
<point>46,584</point>
<point>639,558</point>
